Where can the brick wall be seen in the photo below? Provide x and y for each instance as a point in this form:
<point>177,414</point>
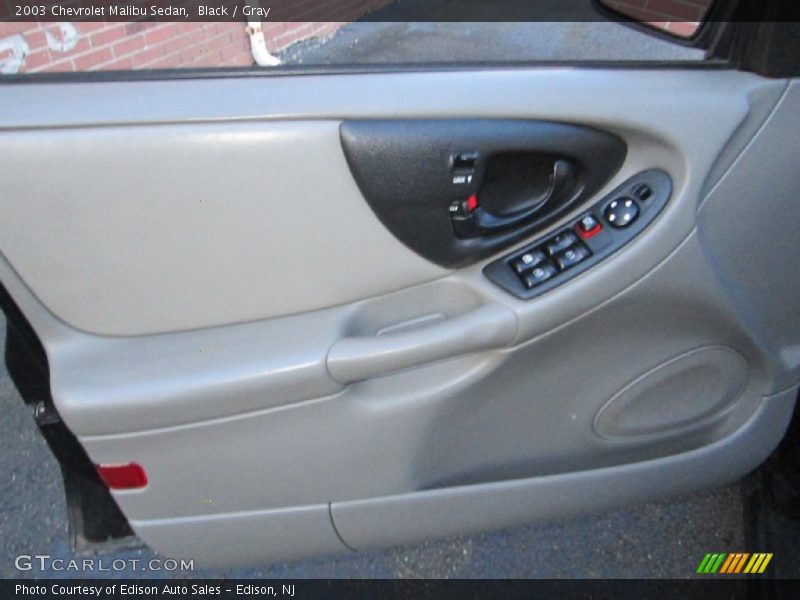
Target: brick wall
<point>107,46</point>
<point>36,47</point>
<point>679,17</point>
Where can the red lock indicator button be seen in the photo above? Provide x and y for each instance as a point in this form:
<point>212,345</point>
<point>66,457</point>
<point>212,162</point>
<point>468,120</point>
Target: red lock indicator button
<point>588,227</point>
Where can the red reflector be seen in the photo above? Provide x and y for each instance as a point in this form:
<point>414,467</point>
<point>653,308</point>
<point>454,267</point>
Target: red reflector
<point>472,203</point>
<point>123,477</point>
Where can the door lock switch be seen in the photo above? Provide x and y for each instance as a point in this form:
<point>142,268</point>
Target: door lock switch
<point>572,256</point>
<point>539,275</point>
<point>560,242</point>
<point>622,212</point>
<point>465,161</point>
<point>463,166</point>
<point>462,208</point>
<point>528,261</point>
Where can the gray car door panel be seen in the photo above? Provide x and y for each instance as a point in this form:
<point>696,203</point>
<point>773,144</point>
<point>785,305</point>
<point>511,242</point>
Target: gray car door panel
<point>219,304</point>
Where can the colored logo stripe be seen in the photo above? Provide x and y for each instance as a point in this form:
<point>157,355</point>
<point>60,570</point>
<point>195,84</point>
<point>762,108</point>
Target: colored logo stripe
<point>758,563</point>
<point>732,558</point>
<point>711,563</point>
<point>734,563</point>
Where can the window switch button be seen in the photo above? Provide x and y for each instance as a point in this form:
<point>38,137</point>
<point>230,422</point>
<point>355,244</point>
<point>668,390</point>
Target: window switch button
<point>572,256</point>
<point>560,242</point>
<point>539,274</point>
<point>527,261</point>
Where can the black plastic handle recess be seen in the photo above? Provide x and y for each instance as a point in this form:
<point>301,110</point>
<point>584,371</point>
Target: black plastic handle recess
<point>404,169</point>
<point>481,222</point>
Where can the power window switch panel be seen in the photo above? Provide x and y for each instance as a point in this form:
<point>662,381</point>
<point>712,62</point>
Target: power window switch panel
<point>572,256</point>
<point>528,261</point>
<point>539,275</point>
<point>560,242</point>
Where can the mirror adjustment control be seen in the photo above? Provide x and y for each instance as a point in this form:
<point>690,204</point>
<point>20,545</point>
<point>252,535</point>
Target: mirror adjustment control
<point>528,261</point>
<point>622,212</point>
<point>560,242</point>
<point>539,275</point>
<point>572,256</point>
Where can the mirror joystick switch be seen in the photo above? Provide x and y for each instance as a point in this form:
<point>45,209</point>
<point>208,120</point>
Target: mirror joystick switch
<point>622,212</point>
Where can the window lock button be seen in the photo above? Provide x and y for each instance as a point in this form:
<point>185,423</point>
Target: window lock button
<point>589,227</point>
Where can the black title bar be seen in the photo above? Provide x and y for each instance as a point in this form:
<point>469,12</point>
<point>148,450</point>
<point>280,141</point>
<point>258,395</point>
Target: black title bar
<point>144,589</point>
<point>312,10</point>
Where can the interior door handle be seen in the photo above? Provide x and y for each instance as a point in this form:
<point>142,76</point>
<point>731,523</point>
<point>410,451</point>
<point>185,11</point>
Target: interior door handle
<point>357,358</point>
<point>412,171</point>
<point>480,222</point>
